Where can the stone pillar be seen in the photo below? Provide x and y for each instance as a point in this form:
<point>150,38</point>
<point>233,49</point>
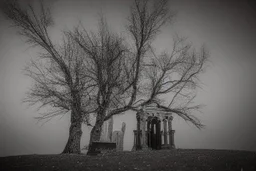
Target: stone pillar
<point>134,148</point>
<point>149,131</point>
<point>165,132</point>
<point>115,138</point>
<point>172,142</point>
<point>110,129</point>
<point>138,142</point>
<point>134,141</point>
<point>143,133</point>
<point>118,138</point>
<point>122,138</point>
<point>171,133</point>
<point>104,132</point>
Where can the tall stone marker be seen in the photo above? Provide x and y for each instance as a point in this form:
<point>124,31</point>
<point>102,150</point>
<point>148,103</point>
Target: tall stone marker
<point>118,138</point>
<point>110,129</point>
<point>107,129</point>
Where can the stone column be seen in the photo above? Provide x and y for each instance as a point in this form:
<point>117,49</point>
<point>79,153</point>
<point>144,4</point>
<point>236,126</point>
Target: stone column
<point>149,131</point>
<point>118,138</point>
<point>138,142</point>
<point>171,133</point>
<point>143,132</point>
<point>165,131</point>
<point>172,142</point>
<point>135,140</point>
<point>110,129</point>
<point>122,138</point>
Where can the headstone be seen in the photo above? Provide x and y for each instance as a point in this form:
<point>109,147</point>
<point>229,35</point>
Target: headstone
<point>123,127</point>
<point>118,138</point>
<point>122,137</point>
<point>143,133</point>
<point>110,129</point>
<point>107,129</point>
<point>104,132</point>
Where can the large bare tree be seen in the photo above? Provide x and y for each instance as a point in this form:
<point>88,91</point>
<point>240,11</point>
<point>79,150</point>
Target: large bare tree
<point>171,75</point>
<point>106,59</point>
<point>101,74</point>
<point>60,83</point>
<point>130,77</point>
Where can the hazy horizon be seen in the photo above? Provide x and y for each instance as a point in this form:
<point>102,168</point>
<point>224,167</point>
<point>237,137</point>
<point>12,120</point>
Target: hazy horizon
<point>227,28</point>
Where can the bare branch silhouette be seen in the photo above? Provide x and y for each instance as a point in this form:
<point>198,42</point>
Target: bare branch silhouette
<point>100,74</point>
<point>59,79</point>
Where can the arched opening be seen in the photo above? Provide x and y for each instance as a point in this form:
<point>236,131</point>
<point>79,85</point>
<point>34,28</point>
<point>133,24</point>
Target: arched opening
<point>154,133</point>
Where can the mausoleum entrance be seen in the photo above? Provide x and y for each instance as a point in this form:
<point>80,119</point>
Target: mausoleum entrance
<point>154,133</point>
<point>155,129</point>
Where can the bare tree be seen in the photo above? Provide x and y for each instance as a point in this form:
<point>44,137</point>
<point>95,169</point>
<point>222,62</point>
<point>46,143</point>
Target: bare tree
<point>175,75</point>
<point>130,78</point>
<point>98,73</point>
<point>172,74</point>
<point>106,59</point>
<point>59,79</point>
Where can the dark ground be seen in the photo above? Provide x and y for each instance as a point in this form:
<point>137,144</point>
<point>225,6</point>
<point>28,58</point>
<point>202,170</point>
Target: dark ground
<point>171,160</point>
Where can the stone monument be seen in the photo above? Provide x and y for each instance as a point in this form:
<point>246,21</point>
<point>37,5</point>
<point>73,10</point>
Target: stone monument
<point>118,138</point>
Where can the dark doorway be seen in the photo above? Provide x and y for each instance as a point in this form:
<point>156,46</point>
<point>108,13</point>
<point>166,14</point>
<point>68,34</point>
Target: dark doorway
<point>154,133</point>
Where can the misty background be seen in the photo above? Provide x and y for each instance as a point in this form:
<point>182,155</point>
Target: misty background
<point>227,28</point>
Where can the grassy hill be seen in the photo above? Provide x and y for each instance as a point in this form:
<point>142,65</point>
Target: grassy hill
<point>171,160</point>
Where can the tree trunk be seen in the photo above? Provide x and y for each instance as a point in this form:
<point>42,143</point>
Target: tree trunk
<point>75,129</point>
<point>96,130</point>
<point>75,134</point>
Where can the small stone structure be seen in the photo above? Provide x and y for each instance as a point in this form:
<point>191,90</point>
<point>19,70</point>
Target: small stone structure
<point>154,130</point>
<point>118,138</point>
<point>149,134</point>
<point>99,147</point>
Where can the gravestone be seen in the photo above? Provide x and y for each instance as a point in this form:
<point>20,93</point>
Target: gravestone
<point>110,129</point>
<point>118,138</point>
<point>107,129</point>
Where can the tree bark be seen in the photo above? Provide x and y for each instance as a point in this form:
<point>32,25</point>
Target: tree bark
<point>75,129</point>
<point>75,134</point>
<point>96,130</point>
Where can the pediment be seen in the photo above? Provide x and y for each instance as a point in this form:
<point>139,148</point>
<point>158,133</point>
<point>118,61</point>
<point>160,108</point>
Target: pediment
<point>153,109</point>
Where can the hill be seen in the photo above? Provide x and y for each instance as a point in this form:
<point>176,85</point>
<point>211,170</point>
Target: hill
<point>174,160</point>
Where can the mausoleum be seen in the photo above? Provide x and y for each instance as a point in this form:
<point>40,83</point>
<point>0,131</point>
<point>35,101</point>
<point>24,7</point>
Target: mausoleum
<point>153,124</point>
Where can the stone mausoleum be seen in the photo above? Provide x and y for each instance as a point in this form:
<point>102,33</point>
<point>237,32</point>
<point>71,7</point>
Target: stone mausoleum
<point>153,124</point>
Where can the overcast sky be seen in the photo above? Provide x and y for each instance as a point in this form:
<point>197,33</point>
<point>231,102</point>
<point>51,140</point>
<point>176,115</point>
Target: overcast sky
<point>227,27</point>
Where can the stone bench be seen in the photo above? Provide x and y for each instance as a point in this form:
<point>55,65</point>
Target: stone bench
<point>98,147</point>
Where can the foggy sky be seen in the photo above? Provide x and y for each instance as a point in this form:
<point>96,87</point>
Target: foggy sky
<point>227,28</point>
